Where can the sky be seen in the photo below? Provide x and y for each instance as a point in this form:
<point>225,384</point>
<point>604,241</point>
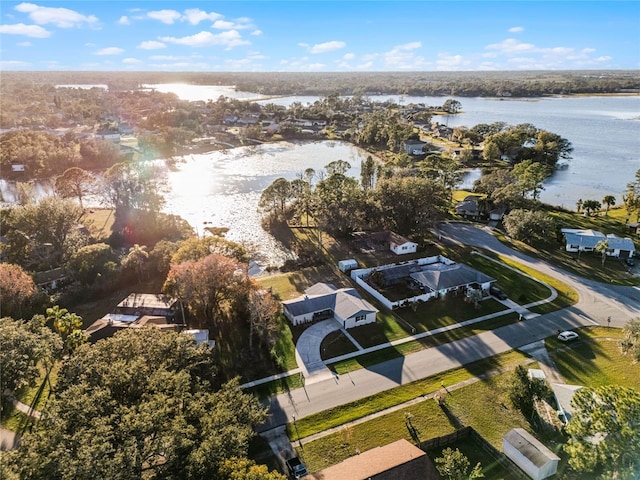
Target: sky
<point>319,36</point>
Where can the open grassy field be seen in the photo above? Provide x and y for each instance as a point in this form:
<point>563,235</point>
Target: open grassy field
<point>595,359</point>
<point>482,405</point>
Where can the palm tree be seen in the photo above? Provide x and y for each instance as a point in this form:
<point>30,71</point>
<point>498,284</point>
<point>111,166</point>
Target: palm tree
<point>136,259</point>
<point>608,200</point>
<point>602,246</point>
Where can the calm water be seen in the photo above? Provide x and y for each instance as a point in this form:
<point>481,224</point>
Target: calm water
<point>223,188</point>
<point>604,132</point>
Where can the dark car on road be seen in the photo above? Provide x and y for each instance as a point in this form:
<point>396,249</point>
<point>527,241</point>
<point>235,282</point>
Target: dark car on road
<point>496,292</point>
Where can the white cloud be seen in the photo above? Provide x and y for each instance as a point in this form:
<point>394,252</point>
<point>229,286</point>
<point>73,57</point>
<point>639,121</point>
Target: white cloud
<point>511,46</point>
<point>109,51</point>
<point>34,31</point>
<point>256,33</point>
<point>131,61</point>
<point>89,44</point>
<point>227,39</point>
<point>124,20</point>
<point>194,16</point>
<point>165,16</point>
<point>60,17</point>
<point>223,25</point>
<point>402,57</point>
<point>349,56</point>
<point>603,58</point>
<point>365,66</point>
<point>9,64</point>
<point>516,29</point>
<point>24,44</point>
<point>326,46</point>
<point>451,62</point>
<point>180,66</point>
<point>151,45</point>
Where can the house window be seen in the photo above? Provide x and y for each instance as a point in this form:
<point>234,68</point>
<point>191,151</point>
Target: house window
<point>404,247</point>
<point>360,318</point>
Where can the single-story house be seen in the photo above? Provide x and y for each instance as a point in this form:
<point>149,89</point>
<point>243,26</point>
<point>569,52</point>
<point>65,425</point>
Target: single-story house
<point>586,241</point>
<point>323,300</point>
<point>51,279</point>
<point>113,136</point>
<point>111,323</point>
<point>469,207</point>
<point>414,147</point>
<point>401,245</point>
<point>564,394</point>
<point>394,242</point>
<point>529,454</point>
<point>443,278</point>
<point>153,304</point>
<point>399,460</point>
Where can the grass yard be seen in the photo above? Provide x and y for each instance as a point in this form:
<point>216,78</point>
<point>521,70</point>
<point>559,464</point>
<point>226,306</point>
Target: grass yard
<point>366,360</point>
<point>427,417</point>
<point>491,469</point>
<point>522,289</point>
<point>595,359</point>
<point>482,405</point>
<point>588,265</point>
<point>99,222</point>
<point>351,411</point>
<point>567,296</point>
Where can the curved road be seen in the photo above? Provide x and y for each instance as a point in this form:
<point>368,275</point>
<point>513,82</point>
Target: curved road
<point>597,302</point>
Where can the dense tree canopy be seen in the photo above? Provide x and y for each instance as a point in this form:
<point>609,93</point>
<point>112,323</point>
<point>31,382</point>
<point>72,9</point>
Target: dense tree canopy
<point>142,404</point>
<point>23,345</point>
<point>208,286</point>
<point>16,289</point>
<point>604,432</point>
<point>528,225</point>
<point>526,142</point>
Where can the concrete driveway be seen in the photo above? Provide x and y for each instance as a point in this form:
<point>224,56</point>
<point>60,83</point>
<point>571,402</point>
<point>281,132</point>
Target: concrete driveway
<point>308,351</point>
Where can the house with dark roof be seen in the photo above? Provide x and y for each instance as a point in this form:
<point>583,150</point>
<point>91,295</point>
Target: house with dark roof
<point>443,278</point>
<point>323,300</point>
<point>399,460</point>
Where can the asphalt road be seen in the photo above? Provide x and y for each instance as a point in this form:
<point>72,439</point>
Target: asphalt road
<point>597,303</point>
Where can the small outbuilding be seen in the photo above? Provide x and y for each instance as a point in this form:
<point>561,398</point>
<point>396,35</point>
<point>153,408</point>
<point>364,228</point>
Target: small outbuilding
<point>529,454</point>
<point>347,265</point>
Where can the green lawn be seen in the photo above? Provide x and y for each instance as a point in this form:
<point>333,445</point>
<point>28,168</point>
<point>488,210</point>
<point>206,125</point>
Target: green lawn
<point>491,469</point>
<point>595,359</point>
<point>589,265</point>
<point>375,403</point>
<point>368,359</point>
<point>483,405</point>
<point>567,296</point>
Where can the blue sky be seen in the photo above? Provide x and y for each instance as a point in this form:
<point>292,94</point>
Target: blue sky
<point>298,35</point>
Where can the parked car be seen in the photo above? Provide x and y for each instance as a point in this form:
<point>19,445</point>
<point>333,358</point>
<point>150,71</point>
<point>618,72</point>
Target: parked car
<point>567,336</point>
<point>496,292</point>
<point>296,468</point>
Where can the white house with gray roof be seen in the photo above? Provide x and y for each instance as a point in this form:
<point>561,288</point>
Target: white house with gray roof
<point>529,454</point>
<point>324,300</point>
<point>586,240</point>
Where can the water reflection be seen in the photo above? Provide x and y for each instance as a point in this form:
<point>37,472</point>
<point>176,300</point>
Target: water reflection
<point>222,189</point>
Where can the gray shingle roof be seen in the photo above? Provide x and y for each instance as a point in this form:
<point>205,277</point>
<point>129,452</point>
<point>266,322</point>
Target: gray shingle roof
<point>530,447</point>
<point>449,276</point>
<point>345,302</point>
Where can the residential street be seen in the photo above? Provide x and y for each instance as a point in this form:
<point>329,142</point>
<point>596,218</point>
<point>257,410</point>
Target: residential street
<point>597,303</point>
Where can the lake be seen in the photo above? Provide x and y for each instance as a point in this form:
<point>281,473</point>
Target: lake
<point>604,132</point>
<point>223,188</point>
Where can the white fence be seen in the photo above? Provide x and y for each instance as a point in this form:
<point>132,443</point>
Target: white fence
<point>361,275</point>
